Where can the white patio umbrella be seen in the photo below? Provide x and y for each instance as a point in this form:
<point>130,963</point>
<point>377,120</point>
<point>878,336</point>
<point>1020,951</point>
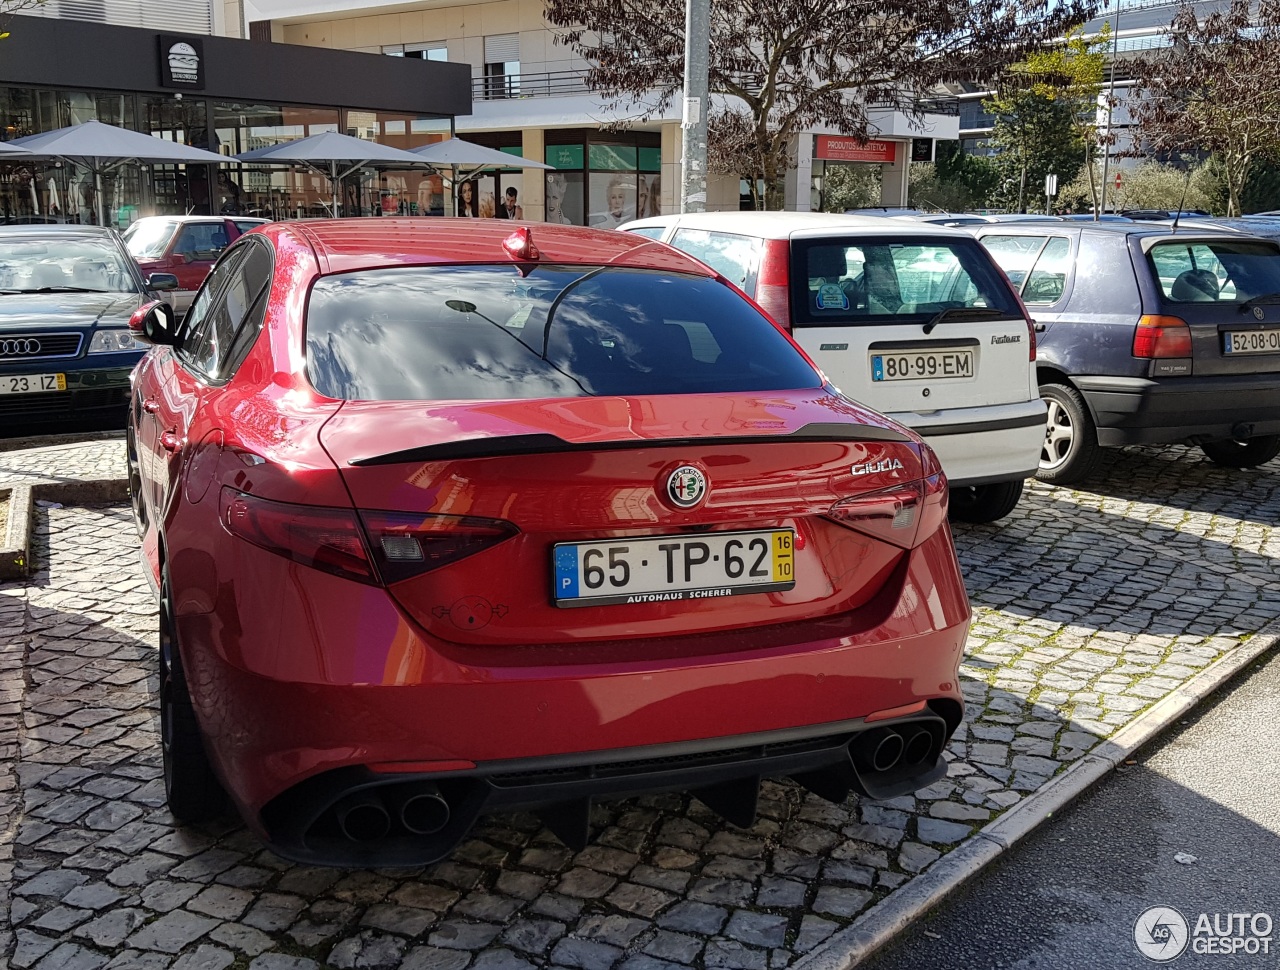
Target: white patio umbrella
<point>101,148</point>
<point>455,153</point>
<point>333,155</point>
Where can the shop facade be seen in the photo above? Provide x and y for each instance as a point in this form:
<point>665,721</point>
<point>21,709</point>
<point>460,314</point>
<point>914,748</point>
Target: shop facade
<point>222,94</point>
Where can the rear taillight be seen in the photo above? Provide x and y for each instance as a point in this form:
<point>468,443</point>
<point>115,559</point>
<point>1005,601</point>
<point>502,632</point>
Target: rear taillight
<point>1160,336</point>
<point>323,538</point>
<point>773,282</point>
<point>408,544</point>
<point>891,514</point>
<point>402,544</point>
<point>905,514</point>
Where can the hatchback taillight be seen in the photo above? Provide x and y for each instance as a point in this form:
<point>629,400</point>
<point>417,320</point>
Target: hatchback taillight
<point>904,514</point>
<point>1161,336</point>
<point>773,282</point>
<point>340,541</point>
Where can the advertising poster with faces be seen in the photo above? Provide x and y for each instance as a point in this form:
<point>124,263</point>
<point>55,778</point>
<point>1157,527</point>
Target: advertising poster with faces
<point>613,199</point>
<point>510,196</point>
<point>564,198</point>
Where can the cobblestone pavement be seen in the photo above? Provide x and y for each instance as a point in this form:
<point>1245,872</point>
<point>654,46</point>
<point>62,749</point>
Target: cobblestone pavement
<point>1089,606</point>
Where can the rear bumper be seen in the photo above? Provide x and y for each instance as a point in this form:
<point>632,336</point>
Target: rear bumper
<point>1138,410</point>
<point>292,753</point>
<point>999,443</point>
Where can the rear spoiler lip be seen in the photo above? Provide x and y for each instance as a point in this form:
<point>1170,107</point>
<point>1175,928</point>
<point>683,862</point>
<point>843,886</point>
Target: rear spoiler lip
<point>502,446</point>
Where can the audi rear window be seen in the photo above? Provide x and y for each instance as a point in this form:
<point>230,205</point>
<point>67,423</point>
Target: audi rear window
<point>487,332</point>
<point>878,280</point>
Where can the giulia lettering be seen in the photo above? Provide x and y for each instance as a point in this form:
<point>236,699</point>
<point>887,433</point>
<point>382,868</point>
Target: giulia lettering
<point>871,467</point>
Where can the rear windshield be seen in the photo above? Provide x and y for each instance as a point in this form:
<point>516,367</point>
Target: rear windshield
<point>489,333</point>
<point>149,238</point>
<point>878,280</point>
<point>1217,271</point>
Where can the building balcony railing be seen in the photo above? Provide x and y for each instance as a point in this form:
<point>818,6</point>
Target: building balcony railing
<point>547,84</point>
<point>558,84</point>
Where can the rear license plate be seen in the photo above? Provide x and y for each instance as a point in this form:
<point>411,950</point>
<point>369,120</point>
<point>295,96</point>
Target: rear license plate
<point>922,365</point>
<point>665,568</point>
<point>1236,342</point>
<point>32,383</point>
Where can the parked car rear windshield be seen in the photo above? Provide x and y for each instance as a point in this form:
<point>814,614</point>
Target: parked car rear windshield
<point>486,332</point>
<point>148,238</point>
<point>1215,271</point>
<point>877,279</point>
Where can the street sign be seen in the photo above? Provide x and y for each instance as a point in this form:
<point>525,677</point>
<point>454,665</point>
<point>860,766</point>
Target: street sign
<point>1051,185</point>
<point>1117,180</point>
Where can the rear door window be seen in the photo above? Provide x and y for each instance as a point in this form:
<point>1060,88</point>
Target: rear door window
<point>1014,254</point>
<point>880,280</point>
<point>1217,271</point>
<point>202,240</point>
<point>1048,278</point>
<point>487,332</point>
<point>733,256</point>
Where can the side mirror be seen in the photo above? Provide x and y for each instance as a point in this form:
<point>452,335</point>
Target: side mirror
<point>153,323</point>
<point>162,281</point>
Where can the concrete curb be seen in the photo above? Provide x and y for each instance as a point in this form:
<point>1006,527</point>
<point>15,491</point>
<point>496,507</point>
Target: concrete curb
<point>901,908</point>
<point>15,552</point>
<point>15,542</point>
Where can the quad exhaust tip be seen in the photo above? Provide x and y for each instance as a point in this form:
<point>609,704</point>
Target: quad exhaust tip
<point>362,818</point>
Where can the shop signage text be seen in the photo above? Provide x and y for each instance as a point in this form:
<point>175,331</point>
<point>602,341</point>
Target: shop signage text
<point>836,148</point>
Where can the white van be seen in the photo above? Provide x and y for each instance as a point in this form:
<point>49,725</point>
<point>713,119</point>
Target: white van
<point>913,320</point>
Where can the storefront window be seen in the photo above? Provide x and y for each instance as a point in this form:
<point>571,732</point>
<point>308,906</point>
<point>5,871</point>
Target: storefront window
<point>274,193</point>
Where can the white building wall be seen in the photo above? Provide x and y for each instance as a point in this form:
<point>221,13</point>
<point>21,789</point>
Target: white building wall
<point>176,16</point>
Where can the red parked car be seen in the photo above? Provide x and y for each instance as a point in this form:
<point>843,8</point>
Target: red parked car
<point>447,518</point>
<point>186,246</point>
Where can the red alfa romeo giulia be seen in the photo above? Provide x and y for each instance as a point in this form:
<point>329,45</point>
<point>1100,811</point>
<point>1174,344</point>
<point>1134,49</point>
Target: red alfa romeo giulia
<point>449,518</point>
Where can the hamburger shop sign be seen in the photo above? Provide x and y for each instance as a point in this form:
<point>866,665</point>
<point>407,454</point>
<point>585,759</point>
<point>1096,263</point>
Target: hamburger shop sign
<point>181,62</point>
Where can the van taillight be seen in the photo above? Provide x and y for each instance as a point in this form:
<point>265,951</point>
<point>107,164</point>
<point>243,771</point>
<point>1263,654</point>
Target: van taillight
<point>773,282</point>
<point>340,541</point>
<point>1160,336</point>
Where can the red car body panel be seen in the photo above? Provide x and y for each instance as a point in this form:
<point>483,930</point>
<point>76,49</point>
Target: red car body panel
<point>298,675</point>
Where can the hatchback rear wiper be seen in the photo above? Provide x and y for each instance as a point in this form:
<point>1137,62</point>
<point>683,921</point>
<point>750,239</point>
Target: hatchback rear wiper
<point>966,313</point>
<point>1266,298</point>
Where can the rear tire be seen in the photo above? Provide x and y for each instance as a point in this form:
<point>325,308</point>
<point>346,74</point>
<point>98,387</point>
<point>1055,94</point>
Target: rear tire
<point>190,785</point>
<point>1071,451</point>
<point>1248,454</point>
<point>135,481</point>
<point>984,503</point>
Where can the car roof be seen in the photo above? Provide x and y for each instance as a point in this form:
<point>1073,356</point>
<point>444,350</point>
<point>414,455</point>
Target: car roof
<point>782,225</point>
<point>342,245</point>
<point>188,218</point>
<point>60,228</point>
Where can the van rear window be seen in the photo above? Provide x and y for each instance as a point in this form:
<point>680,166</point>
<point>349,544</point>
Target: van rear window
<point>486,332</point>
<point>874,280</point>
